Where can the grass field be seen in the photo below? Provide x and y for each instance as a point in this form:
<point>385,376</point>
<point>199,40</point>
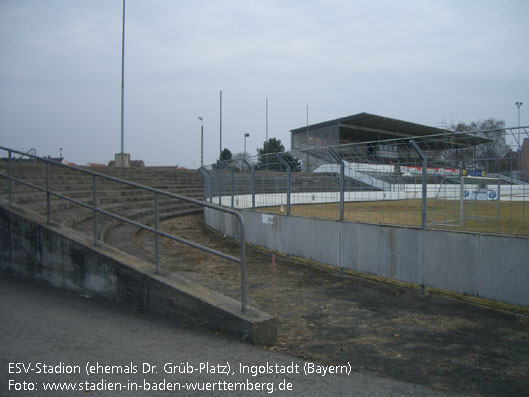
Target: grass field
<point>479,216</point>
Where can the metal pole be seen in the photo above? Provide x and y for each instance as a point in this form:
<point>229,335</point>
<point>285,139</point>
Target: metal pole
<point>519,104</point>
<point>342,180</point>
<point>243,261</point>
<point>498,197</point>
<point>201,141</point>
<point>220,188</point>
<point>461,198</point>
<point>220,152</point>
<point>252,186</point>
<point>94,204</point>
<point>48,192</point>
<point>232,188</point>
<point>246,135</point>
<point>123,82</point>
<point>10,183</point>
<point>156,237</point>
<point>289,190</point>
<point>267,119</point>
<point>289,184</point>
<point>342,190</point>
<point>307,126</point>
<point>424,180</point>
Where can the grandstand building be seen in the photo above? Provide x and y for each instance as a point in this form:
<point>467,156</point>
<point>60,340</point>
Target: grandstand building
<point>382,138</point>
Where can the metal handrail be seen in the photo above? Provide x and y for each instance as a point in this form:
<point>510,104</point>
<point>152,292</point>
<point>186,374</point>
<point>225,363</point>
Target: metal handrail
<point>155,230</point>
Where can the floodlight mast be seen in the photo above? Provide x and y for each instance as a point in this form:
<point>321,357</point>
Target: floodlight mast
<point>123,81</point>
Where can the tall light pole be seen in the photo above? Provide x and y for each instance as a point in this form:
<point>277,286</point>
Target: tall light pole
<point>518,105</point>
<point>201,141</point>
<point>267,119</point>
<point>122,159</point>
<point>307,126</point>
<point>220,127</point>
<point>246,135</point>
<point>123,81</point>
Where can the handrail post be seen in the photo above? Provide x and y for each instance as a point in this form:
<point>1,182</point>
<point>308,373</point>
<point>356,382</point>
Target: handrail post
<point>48,193</point>
<point>94,204</point>
<point>156,237</point>
<point>10,188</point>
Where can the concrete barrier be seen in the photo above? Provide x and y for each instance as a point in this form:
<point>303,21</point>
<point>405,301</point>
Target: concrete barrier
<point>68,259</point>
<point>489,266</point>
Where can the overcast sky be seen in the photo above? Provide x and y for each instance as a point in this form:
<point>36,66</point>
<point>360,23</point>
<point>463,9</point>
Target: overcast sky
<point>415,60</point>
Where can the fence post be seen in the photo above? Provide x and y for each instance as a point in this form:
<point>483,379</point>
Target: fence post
<point>48,192</point>
<point>10,188</point>
<point>461,202</point>
<point>424,181</point>
<point>232,188</point>
<point>156,237</point>
<point>252,186</point>
<point>94,205</point>
<point>342,180</point>
<point>289,189</point>
<point>220,186</point>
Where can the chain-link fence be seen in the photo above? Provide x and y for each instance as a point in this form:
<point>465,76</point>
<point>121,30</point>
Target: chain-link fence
<point>476,181</point>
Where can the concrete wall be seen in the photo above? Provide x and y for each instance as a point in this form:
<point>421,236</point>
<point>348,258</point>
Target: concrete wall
<point>490,266</point>
<point>67,259</point>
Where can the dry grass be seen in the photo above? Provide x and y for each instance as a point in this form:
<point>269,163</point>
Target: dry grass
<point>480,216</point>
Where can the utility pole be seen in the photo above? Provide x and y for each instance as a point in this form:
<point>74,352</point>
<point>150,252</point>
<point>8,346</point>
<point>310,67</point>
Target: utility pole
<point>220,128</point>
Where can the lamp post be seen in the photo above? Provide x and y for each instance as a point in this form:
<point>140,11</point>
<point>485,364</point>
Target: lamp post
<point>201,141</point>
<point>518,105</point>
<point>266,127</point>
<point>246,135</point>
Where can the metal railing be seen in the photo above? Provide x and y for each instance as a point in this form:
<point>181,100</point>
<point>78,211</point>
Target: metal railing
<point>98,210</point>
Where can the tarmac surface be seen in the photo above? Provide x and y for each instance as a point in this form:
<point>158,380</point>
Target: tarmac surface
<point>50,335</point>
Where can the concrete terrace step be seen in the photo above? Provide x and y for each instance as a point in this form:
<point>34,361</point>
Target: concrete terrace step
<point>103,196</point>
<point>127,201</point>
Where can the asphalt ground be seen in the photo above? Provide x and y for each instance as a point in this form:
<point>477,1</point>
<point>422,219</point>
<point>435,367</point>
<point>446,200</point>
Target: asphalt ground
<point>50,335</point>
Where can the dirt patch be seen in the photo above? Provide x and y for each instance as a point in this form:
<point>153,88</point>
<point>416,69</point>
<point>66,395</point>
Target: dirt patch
<point>380,329</point>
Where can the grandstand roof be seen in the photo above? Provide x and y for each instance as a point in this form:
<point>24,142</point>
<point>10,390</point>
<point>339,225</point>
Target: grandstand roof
<point>365,127</point>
